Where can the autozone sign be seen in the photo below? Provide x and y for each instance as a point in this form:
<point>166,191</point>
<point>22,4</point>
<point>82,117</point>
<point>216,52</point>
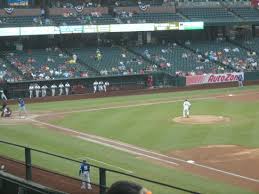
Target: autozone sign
<point>213,78</point>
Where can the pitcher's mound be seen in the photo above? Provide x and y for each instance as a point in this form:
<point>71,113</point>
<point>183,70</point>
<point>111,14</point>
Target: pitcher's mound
<point>201,119</point>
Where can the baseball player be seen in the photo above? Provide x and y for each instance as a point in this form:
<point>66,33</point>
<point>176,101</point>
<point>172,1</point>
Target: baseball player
<point>37,90</point>
<point>67,86</point>
<point>105,85</point>
<point>100,86</point>
<point>22,108</point>
<point>84,172</point>
<point>240,81</point>
<point>186,108</point>
<point>44,90</point>
<point>4,105</point>
<point>31,88</point>
<point>61,86</point>
<point>6,112</point>
<point>3,96</point>
<point>53,89</point>
<point>95,84</point>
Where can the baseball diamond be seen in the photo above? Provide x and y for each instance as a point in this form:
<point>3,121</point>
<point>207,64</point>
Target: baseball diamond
<point>220,160</point>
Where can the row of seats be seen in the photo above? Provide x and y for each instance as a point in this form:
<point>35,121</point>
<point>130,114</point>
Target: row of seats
<point>189,58</point>
<point>228,54</point>
<point>193,14</point>
<point>47,64</point>
<point>111,60</point>
<point>208,14</point>
<point>176,59</point>
<point>247,13</point>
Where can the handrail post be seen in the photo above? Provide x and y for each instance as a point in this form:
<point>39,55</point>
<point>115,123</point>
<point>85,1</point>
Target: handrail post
<point>102,180</point>
<point>28,163</point>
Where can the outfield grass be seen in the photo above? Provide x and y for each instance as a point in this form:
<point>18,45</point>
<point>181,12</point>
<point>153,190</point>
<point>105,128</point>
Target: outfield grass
<point>152,126</point>
<point>64,145</point>
<point>146,126</point>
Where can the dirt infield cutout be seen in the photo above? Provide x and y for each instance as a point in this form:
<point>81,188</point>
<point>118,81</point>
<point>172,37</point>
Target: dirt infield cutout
<point>15,119</point>
<point>201,119</point>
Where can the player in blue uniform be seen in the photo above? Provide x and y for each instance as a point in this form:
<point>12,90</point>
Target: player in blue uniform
<point>84,172</point>
<point>22,108</point>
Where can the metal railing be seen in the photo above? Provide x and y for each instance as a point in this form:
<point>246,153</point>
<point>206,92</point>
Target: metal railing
<point>102,171</point>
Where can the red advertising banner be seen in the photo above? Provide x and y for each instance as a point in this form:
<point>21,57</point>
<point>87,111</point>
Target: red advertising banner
<point>213,78</point>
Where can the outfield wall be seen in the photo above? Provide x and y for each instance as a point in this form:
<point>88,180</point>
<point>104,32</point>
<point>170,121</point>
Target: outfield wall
<point>130,84</point>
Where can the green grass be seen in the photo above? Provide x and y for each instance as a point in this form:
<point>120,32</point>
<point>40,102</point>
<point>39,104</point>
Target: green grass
<point>152,126</point>
<point>146,126</point>
<point>52,141</point>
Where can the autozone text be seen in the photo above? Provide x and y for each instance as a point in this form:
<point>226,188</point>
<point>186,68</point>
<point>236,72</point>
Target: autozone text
<point>223,78</point>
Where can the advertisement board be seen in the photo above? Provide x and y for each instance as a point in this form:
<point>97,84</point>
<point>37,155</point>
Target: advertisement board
<point>18,2</point>
<point>213,78</point>
<point>42,30</point>
<point>9,31</point>
<point>191,25</point>
<point>76,29</point>
<point>71,29</point>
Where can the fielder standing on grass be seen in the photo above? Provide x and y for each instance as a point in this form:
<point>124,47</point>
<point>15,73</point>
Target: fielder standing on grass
<point>84,172</point>
<point>186,109</point>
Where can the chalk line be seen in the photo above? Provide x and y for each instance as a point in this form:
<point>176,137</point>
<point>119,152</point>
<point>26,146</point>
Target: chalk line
<point>103,141</point>
<point>107,164</point>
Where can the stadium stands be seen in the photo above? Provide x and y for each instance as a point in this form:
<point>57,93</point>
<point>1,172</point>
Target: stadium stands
<point>16,21</point>
<point>112,60</point>
<point>218,14</point>
<point>177,60</point>
<point>7,73</point>
<point>227,53</point>
<point>47,64</point>
<point>151,17</point>
<point>247,13</point>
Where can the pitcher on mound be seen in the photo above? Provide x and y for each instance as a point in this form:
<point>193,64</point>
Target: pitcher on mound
<point>186,109</point>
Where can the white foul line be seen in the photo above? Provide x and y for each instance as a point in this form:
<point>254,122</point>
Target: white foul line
<point>81,136</point>
<point>126,150</point>
<point>107,164</point>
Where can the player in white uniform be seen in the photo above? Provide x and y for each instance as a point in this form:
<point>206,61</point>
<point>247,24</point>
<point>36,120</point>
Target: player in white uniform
<point>95,84</point>
<point>61,86</point>
<point>100,86</point>
<point>44,90</point>
<point>67,86</point>
<point>37,90</point>
<point>186,109</point>
<point>31,88</point>
<point>105,85</point>
<point>53,89</point>
<point>3,95</point>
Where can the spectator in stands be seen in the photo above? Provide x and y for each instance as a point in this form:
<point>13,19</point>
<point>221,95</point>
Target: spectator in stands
<point>42,12</point>
<point>75,58</point>
<point>126,187</point>
<point>98,55</point>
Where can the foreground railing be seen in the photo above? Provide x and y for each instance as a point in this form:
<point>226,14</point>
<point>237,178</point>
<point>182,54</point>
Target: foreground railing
<point>100,171</point>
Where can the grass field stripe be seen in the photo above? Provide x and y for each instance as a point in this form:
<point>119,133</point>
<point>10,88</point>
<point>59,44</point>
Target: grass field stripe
<point>107,164</point>
<point>128,145</point>
<point>126,150</point>
<point>156,102</point>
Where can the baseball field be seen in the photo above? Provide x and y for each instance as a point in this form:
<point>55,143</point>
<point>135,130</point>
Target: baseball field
<point>215,151</point>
